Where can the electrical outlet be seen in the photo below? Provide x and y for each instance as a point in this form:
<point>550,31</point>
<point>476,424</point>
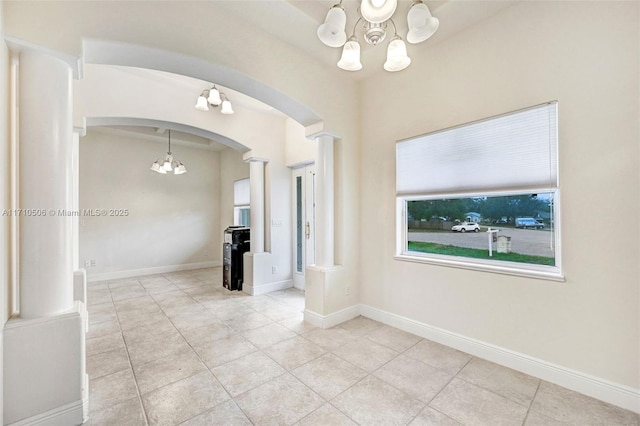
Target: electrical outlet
<point>93,262</point>
<point>274,269</point>
<point>348,290</point>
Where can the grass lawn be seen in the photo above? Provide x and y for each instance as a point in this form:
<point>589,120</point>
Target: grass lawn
<point>478,253</point>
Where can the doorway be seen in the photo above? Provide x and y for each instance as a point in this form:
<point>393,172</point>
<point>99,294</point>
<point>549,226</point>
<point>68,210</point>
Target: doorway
<point>304,233</point>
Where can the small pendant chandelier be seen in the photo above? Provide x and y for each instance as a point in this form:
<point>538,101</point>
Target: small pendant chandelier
<point>169,163</point>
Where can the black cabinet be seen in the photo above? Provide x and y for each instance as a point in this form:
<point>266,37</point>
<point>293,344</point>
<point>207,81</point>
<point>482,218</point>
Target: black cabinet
<point>236,243</point>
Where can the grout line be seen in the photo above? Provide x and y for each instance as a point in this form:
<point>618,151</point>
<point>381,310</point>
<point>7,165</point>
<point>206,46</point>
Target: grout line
<point>524,421</point>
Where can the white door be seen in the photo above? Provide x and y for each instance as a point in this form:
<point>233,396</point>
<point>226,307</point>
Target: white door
<point>304,233</point>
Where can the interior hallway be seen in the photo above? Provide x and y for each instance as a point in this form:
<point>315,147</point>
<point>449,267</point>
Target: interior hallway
<point>178,348</point>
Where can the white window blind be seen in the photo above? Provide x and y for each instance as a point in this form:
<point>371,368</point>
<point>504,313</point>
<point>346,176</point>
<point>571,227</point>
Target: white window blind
<point>241,192</point>
<point>515,150</point>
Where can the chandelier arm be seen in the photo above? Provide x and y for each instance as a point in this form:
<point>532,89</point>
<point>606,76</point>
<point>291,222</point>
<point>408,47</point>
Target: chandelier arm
<point>395,30</point>
<point>353,33</point>
<point>169,141</point>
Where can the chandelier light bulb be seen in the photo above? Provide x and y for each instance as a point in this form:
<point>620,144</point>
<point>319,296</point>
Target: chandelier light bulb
<point>167,162</point>
<point>422,24</point>
<point>397,58</point>
<point>226,107</point>
<point>378,11</point>
<point>214,97</point>
<point>201,105</point>
<point>350,60</point>
<point>332,32</point>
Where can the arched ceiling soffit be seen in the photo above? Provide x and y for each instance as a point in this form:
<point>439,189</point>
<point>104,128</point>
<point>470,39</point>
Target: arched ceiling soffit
<point>133,122</point>
<point>125,54</point>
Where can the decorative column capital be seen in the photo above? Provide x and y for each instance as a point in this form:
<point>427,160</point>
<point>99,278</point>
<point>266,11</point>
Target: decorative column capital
<point>255,160</point>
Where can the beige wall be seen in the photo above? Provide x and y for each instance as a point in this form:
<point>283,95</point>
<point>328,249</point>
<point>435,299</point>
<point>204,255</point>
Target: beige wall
<point>172,220</point>
<point>585,55</point>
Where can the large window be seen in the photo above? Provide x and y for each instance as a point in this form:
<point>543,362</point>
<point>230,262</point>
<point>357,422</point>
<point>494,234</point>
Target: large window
<point>483,195</point>
<point>241,201</point>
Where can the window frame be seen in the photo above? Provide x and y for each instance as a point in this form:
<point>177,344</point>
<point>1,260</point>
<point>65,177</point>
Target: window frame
<point>554,273</point>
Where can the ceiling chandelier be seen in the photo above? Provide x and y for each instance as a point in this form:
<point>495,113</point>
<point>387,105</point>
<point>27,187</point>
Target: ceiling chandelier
<point>169,163</point>
<point>214,98</point>
<point>375,16</point>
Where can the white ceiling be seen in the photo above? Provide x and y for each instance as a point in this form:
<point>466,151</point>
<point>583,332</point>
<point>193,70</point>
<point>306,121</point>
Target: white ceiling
<point>295,22</point>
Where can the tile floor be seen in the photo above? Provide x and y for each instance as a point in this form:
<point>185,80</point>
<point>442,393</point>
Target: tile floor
<point>178,348</point>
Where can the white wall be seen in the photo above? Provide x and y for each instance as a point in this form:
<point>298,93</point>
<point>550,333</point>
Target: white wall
<point>528,54</point>
<point>299,149</point>
<point>4,193</point>
<point>173,220</point>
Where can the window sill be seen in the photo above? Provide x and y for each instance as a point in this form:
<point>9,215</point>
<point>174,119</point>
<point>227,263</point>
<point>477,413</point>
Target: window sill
<point>543,273</point>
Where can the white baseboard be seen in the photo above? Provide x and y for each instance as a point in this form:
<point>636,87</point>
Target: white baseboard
<point>70,414</point>
<point>266,288</point>
<point>613,393</point>
<point>114,275</point>
<point>331,320</point>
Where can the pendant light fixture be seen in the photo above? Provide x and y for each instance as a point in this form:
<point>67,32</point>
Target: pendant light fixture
<point>169,163</point>
<point>214,98</point>
<point>375,17</point>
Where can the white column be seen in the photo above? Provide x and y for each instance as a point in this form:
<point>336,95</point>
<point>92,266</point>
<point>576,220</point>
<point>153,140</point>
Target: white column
<point>75,200</point>
<point>256,177</point>
<point>45,181</point>
<point>324,202</point>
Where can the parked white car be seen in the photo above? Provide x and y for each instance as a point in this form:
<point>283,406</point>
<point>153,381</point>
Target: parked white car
<point>466,226</point>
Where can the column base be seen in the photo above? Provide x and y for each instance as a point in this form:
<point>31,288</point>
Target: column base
<point>258,275</point>
<point>325,293</point>
<point>45,379</point>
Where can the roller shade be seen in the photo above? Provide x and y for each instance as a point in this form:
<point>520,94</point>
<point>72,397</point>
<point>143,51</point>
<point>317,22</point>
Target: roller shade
<point>515,150</point>
<point>241,192</point>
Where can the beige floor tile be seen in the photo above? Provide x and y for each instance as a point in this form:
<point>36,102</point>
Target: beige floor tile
<point>126,413</point>
<point>247,372</point>
<point>97,296</point>
<point>226,311</point>
<point>134,319</point>
<point>157,373</point>
<point>173,299</point>
<point>268,335</point>
<point>417,379</point>
<point>278,402</point>
<point>206,334</point>
<point>112,389</point>
<point>223,350</point>
<point>137,304</point>
<point>292,353</point>
<point>393,338</point>
<point>107,363</point>
<point>101,312</point>
<point>472,405</point>
<point>123,282</point>
<point>536,419</point>
<point>225,414</point>
<point>360,325</point>
<point>431,417</point>
<point>248,321</point>
<point>103,328</point>
<point>104,343</point>
<point>439,356</point>
<point>298,325</point>
<point>571,407</point>
<point>198,318</point>
<point>329,375</point>
<point>509,383</point>
<point>128,292</point>
<point>365,354</point>
<point>149,350</point>
<point>184,399</point>
<point>330,338</point>
<point>372,401</point>
<point>149,331</point>
<point>326,415</point>
<point>159,287</point>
